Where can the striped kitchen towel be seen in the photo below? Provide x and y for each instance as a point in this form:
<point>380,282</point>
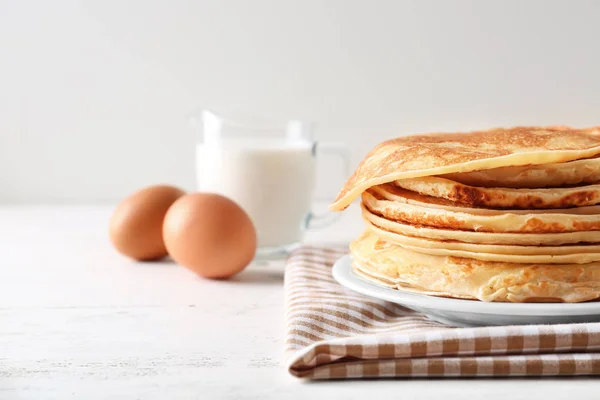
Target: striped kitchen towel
<point>333,332</point>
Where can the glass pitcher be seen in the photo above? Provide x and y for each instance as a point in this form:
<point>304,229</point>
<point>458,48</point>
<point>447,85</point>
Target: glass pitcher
<point>270,171</point>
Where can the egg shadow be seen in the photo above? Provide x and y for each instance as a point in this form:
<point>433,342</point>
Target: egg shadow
<point>269,275</point>
<point>166,261</point>
<point>258,272</point>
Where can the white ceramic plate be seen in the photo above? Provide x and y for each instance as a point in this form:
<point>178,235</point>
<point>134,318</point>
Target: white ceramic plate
<point>468,312</point>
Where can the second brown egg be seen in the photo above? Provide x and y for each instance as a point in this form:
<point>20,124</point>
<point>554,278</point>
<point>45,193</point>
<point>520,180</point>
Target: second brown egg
<point>210,235</point>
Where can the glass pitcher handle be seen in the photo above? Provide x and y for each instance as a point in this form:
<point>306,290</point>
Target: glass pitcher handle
<point>341,151</point>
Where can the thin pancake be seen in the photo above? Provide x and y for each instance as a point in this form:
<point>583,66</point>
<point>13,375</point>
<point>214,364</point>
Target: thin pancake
<point>378,202</point>
<point>468,278</point>
<point>578,196</point>
<point>524,239</point>
<point>498,249</point>
<point>394,193</point>
<point>436,154</point>
<point>534,176</point>
<point>537,254</point>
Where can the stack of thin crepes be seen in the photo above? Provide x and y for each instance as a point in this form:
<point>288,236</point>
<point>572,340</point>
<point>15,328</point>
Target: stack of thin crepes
<point>507,215</point>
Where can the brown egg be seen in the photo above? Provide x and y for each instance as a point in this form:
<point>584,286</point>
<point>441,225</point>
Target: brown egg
<point>210,235</point>
<point>136,224</point>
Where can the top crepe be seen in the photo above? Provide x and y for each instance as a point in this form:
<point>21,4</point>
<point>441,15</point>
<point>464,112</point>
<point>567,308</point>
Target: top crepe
<point>447,153</point>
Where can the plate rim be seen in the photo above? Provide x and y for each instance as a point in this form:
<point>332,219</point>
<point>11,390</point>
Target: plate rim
<point>344,274</point>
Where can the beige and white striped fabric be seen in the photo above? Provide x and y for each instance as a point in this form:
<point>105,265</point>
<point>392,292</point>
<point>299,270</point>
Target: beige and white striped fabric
<point>333,333</point>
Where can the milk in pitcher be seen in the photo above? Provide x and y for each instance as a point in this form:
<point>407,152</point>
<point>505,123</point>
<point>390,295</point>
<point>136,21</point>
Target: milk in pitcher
<point>271,179</point>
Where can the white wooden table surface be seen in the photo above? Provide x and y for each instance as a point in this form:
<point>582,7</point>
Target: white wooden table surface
<point>77,320</point>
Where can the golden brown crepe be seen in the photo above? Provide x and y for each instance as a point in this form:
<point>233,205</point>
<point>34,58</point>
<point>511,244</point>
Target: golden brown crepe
<point>467,278</point>
<point>393,193</point>
<point>566,254</point>
<point>562,197</point>
<point>386,206</point>
<point>467,236</point>
<point>445,153</point>
<point>506,250</point>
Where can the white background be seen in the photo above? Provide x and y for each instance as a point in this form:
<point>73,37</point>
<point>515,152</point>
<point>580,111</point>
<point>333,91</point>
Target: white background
<point>94,94</point>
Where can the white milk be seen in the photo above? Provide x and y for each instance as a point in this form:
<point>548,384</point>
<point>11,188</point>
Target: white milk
<point>272,180</point>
